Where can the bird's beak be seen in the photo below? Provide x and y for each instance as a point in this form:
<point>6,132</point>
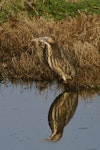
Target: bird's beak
<point>41,39</point>
<point>49,139</point>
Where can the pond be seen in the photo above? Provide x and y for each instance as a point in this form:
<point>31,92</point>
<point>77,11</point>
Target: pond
<point>28,117</point>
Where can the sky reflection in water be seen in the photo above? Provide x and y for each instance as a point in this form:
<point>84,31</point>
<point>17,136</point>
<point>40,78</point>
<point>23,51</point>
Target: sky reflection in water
<point>24,116</point>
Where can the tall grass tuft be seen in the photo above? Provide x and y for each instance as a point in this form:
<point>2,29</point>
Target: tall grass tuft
<point>20,58</point>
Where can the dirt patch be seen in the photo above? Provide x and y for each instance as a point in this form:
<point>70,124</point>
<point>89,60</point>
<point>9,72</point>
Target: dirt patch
<point>20,58</point>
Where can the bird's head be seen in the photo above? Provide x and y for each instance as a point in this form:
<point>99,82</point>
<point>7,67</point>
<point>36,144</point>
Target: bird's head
<point>50,40</point>
<point>46,40</point>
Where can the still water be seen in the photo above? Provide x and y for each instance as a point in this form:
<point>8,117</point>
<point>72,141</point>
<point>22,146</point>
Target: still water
<point>30,118</point>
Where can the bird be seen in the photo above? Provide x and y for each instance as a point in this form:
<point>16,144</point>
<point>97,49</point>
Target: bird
<point>55,58</point>
<point>60,113</point>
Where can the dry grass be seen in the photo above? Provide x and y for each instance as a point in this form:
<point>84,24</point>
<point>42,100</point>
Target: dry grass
<point>79,37</point>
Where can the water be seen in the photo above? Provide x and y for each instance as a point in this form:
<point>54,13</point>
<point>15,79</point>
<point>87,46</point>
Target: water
<point>24,119</point>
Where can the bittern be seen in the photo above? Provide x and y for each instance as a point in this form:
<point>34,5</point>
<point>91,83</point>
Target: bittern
<point>56,59</point>
<point>60,113</point>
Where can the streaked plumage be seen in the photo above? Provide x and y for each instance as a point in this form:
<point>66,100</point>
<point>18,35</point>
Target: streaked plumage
<point>56,59</point>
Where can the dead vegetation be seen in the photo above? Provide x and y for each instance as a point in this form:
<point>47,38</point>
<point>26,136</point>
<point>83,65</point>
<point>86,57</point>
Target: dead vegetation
<point>20,58</point>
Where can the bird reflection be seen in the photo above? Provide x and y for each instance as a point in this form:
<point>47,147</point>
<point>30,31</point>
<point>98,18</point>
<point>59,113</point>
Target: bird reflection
<point>60,113</point>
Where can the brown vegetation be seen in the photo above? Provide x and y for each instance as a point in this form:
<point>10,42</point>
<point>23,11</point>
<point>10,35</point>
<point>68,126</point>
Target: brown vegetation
<point>79,37</point>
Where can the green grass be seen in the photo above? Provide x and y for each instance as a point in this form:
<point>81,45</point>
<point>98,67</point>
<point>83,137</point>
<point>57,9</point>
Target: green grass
<point>9,8</point>
<point>56,9</point>
<point>59,9</point>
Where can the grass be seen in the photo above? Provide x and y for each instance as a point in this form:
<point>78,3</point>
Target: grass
<point>56,9</point>
<point>75,26</point>
<point>21,59</point>
<point>60,9</point>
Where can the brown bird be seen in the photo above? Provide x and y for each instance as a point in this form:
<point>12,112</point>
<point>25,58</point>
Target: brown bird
<point>60,113</point>
<point>56,59</point>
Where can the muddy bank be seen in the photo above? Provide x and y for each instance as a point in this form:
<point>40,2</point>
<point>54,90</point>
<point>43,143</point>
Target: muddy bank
<point>79,37</point>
